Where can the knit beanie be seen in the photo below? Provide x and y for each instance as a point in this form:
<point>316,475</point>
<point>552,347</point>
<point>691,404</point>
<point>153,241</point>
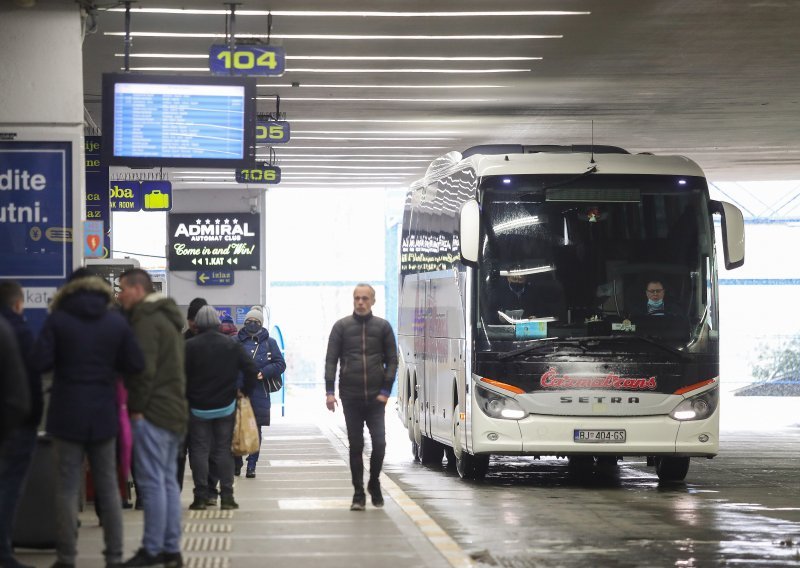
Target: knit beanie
<point>255,313</point>
<point>206,318</point>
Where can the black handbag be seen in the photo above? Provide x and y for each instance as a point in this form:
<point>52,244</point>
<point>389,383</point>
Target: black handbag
<point>274,384</point>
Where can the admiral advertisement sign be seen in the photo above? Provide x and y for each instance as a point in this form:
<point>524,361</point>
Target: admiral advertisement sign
<point>219,240</point>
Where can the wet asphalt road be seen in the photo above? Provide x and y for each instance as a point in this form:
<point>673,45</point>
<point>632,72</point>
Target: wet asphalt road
<point>740,509</point>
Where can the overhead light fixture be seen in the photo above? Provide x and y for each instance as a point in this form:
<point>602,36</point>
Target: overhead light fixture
<point>346,70</point>
<point>339,160</point>
<point>372,86</point>
<point>381,99</point>
<point>338,57</point>
<point>440,133</point>
<point>384,138</point>
<point>371,147</point>
<point>502,37</point>
<point>355,14</point>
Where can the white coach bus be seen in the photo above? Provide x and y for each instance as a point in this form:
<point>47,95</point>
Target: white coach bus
<point>562,301</point>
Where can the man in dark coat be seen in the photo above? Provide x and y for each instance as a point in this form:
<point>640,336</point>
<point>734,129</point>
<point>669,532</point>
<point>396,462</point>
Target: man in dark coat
<point>364,347</point>
<point>16,448</point>
<point>88,345</point>
<point>213,364</point>
<point>269,361</point>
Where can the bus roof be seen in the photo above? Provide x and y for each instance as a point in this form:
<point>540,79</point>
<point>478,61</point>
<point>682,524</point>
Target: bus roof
<point>495,164</point>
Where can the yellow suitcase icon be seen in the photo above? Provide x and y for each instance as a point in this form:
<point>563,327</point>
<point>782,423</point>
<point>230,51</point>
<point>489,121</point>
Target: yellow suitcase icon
<point>156,200</point>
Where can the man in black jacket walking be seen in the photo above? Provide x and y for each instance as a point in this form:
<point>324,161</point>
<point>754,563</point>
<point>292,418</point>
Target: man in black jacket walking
<point>364,347</point>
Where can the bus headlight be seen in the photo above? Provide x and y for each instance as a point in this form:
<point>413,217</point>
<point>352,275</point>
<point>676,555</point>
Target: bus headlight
<point>697,407</point>
<point>498,406</point>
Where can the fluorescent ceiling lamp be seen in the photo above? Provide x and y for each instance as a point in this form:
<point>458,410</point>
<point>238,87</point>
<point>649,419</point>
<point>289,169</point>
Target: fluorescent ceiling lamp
<point>379,99</point>
<point>426,157</point>
<point>402,70</point>
<point>381,160</point>
<point>387,120</point>
<point>384,138</point>
<point>345,70</point>
<point>415,147</point>
<point>355,14</point>
<point>339,36</point>
<point>337,57</point>
<point>369,86</point>
<point>368,132</point>
<point>356,168</point>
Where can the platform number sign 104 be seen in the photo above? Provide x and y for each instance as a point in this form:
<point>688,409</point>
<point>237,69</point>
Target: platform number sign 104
<point>255,60</point>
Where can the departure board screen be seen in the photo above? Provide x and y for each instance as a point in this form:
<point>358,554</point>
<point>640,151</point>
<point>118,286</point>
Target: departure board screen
<point>177,121</point>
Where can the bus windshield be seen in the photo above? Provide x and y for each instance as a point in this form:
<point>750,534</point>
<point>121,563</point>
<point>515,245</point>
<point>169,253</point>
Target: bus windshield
<point>593,255</point>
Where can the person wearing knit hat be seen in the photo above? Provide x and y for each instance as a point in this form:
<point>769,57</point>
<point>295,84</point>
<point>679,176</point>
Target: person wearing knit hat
<point>213,364</point>
<point>267,356</point>
<point>256,313</point>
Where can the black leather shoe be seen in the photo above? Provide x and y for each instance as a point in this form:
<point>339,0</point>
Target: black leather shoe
<point>359,502</point>
<point>374,488</point>
<point>251,473</point>
<point>144,558</point>
<point>199,504</point>
<point>172,559</point>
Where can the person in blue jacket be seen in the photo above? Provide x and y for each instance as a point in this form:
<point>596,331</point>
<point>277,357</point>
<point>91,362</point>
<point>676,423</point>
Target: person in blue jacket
<point>270,363</point>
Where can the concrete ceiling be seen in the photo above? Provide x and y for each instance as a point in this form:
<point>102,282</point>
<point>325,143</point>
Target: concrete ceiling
<point>716,80</point>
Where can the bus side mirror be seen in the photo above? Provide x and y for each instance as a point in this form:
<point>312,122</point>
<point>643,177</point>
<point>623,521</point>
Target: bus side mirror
<point>469,232</point>
<point>732,233</point>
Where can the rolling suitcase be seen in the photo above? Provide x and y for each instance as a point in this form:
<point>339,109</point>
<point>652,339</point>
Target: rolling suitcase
<point>35,524</point>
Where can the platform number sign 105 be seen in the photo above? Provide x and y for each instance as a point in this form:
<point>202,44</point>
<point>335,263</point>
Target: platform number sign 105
<point>272,132</point>
<point>257,60</point>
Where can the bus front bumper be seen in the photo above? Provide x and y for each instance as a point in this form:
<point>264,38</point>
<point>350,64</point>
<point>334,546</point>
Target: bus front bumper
<point>556,435</point>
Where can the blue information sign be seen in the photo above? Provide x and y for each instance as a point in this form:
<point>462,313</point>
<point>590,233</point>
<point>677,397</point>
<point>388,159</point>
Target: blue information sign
<point>35,209</point>
<point>224,312</point>
<point>253,60</point>
<point>124,196</point>
<point>241,314</point>
<point>97,189</point>
<point>214,277</point>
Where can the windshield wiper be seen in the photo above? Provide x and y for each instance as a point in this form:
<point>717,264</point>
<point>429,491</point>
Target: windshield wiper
<point>646,340</point>
<point>583,344</point>
<point>540,344</point>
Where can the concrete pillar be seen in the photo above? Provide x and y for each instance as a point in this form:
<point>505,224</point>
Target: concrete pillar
<point>41,133</point>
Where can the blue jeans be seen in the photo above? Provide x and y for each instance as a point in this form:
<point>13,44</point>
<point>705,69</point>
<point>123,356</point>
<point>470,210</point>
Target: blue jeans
<point>155,454</point>
<point>69,463</point>
<point>16,452</point>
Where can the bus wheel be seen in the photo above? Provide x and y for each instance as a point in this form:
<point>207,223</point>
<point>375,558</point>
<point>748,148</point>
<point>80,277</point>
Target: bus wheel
<point>415,451</point>
<point>430,451</point>
<point>450,454</point>
<point>470,466</point>
<point>672,468</point>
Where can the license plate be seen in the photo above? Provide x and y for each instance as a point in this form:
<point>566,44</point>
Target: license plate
<point>599,436</point>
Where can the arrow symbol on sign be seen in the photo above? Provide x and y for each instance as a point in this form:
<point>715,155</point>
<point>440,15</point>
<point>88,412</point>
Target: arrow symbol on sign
<point>203,277</point>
